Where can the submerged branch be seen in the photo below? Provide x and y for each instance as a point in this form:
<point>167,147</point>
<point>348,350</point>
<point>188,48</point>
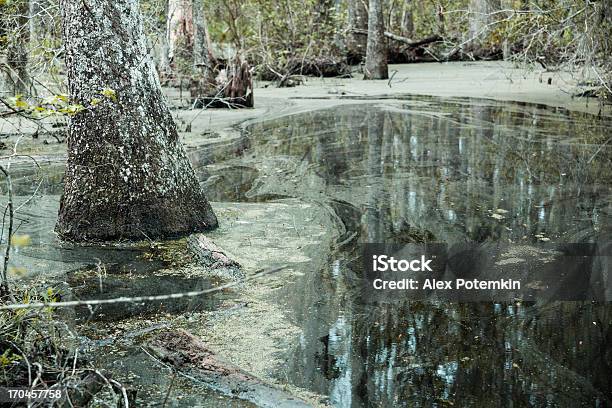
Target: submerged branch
<point>135,299</point>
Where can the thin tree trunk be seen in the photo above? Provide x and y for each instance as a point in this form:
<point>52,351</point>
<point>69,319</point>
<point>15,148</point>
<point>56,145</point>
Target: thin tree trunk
<point>376,54</point>
<point>34,20</point>
<point>202,48</point>
<point>357,20</point>
<point>203,81</point>
<point>127,174</point>
<point>407,24</point>
<point>164,58</point>
<point>480,18</point>
<point>180,29</point>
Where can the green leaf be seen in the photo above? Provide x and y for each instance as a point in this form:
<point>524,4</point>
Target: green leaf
<point>110,94</point>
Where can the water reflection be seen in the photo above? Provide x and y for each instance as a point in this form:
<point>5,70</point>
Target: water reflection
<point>450,171</point>
<point>449,167</point>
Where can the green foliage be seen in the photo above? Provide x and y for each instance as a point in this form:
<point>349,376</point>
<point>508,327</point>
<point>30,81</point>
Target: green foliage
<point>36,335</point>
<point>56,105</point>
<point>8,358</point>
<point>270,33</point>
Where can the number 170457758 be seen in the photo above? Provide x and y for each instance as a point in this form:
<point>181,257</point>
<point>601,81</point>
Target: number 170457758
<point>25,394</point>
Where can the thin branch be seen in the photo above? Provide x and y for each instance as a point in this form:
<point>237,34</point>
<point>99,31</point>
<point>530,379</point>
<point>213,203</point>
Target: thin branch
<point>7,254</point>
<point>137,299</point>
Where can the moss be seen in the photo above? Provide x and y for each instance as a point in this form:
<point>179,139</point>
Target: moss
<point>172,253</point>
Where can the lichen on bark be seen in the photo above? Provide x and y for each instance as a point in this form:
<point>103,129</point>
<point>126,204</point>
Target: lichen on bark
<point>127,175</point>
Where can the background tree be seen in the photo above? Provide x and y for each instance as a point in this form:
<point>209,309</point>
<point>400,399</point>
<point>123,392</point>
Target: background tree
<point>356,42</point>
<point>127,174</point>
<point>14,40</point>
<point>376,54</point>
<point>203,83</point>
<point>407,20</point>
<point>202,47</point>
<point>180,30</point>
<point>482,16</point>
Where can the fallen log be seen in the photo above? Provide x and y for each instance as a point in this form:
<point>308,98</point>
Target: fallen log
<point>290,73</point>
<point>405,40</point>
<point>188,355</point>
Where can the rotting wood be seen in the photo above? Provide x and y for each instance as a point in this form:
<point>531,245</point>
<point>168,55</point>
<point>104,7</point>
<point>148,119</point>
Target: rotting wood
<point>239,90</point>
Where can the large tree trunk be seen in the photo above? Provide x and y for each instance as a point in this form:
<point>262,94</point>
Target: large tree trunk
<point>357,20</point>
<point>127,174</point>
<point>376,54</point>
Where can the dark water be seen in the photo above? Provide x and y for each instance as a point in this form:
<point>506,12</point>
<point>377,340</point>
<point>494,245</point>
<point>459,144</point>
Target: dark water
<point>430,170</point>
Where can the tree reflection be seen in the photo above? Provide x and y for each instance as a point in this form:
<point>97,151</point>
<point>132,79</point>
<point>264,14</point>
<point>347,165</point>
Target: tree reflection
<point>428,171</point>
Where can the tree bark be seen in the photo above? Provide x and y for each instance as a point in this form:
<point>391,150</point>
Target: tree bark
<point>407,24</point>
<point>163,69</point>
<point>127,174</point>
<point>202,49</point>
<point>357,20</point>
<point>203,81</point>
<point>239,90</point>
<point>376,54</point>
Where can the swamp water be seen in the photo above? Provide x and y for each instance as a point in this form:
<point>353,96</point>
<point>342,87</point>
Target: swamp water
<point>413,170</point>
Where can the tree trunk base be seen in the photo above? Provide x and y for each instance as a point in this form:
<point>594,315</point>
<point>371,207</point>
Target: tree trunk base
<point>166,218</point>
<point>127,173</point>
<point>233,88</point>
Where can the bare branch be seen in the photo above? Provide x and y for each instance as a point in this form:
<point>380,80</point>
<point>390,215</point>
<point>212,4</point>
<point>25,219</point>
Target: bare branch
<point>136,299</point>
